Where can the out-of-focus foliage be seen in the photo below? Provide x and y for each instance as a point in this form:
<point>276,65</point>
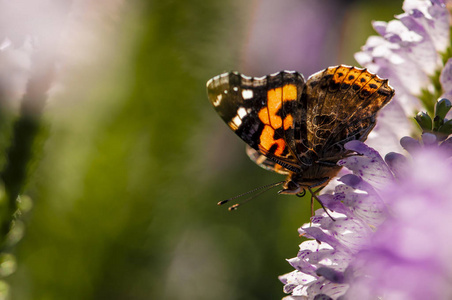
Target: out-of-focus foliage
<point>136,159</point>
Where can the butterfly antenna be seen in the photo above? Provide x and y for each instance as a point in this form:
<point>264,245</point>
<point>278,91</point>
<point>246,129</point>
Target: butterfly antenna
<point>264,188</point>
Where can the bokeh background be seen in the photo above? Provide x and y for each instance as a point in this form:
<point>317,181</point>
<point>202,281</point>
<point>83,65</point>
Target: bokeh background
<point>135,158</point>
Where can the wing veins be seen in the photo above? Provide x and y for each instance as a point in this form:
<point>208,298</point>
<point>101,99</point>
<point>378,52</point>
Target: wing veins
<point>285,139</point>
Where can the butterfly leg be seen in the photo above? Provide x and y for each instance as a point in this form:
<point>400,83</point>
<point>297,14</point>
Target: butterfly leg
<point>312,205</point>
<point>327,163</point>
<point>332,161</point>
<point>314,196</point>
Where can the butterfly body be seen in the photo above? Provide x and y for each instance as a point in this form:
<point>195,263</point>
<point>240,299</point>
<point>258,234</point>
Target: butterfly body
<point>299,128</point>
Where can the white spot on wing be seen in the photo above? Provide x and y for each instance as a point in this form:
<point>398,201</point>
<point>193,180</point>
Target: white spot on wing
<point>209,82</point>
<point>217,101</point>
<point>247,94</point>
<point>237,121</point>
<point>241,112</point>
<point>235,89</point>
<point>260,160</point>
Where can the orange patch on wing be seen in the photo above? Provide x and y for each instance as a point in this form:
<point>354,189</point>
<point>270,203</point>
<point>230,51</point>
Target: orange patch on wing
<point>363,79</point>
<point>267,140</point>
<point>269,116</point>
<point>267,137</point>
<point>275,98</point>
<point>281,146</point>
<point>274,105</point>
<point>352,76</point>
<point>233,126</point>
<point>263,116</point>
<point>340,74</point>
<point>288,122</point>
<point>374,84</point>
<point>278,167</point>
<point>289,92</point>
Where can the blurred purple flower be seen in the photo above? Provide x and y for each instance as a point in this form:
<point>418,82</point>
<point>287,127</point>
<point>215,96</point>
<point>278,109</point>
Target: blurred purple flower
<point>48,36</point>
<point>293,34</point>
<point>389,240</point>
<point>408,52</point>
<point>15,65</point>
<point>29,34</point>
<point>322,262</point>
<point>408,255</point>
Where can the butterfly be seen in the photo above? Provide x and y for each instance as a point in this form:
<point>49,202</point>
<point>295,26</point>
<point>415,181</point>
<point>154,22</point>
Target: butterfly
<point>299,127</point>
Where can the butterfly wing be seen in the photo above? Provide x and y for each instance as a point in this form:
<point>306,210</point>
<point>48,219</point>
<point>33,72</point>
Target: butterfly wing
<point>341,104</point>
<point>262,111</point>
<point>262,161</point>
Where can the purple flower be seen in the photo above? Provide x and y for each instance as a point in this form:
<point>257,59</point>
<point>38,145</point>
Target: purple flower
<point>322,262</point>
<point>390,238</point>
<point>407,257</point>
<point>42,34</point>
<point>408,52</point>
<point>15,65</point>
<point>270,45</point>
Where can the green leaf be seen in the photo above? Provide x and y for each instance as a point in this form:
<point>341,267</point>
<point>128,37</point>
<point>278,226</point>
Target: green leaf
<point>424,121</point>
<point>442,108</point>
<point>445,130</point>
<point>437,123</point>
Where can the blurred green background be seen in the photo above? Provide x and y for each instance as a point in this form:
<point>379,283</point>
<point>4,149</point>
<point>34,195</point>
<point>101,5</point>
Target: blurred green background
<point>136,158</point>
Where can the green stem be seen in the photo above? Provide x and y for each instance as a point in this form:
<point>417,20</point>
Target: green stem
<point>25,131</point>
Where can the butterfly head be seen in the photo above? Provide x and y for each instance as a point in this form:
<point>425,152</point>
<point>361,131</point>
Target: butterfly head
<point>291,187</point>
<point>296,184</point>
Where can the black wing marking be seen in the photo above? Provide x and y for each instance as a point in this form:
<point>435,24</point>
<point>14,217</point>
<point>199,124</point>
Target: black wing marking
<point>261,111</point>
<point>342,106</point>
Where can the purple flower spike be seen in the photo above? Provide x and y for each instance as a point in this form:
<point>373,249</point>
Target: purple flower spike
<point>408,52</point>
<point>322,260</point>
<point>396,163</point>
<point>446,79</point>
<point>409,253</point>
<point>370,166</point>
<point>446,146</point>
<point>390,238</point>
<point>410,144</point>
